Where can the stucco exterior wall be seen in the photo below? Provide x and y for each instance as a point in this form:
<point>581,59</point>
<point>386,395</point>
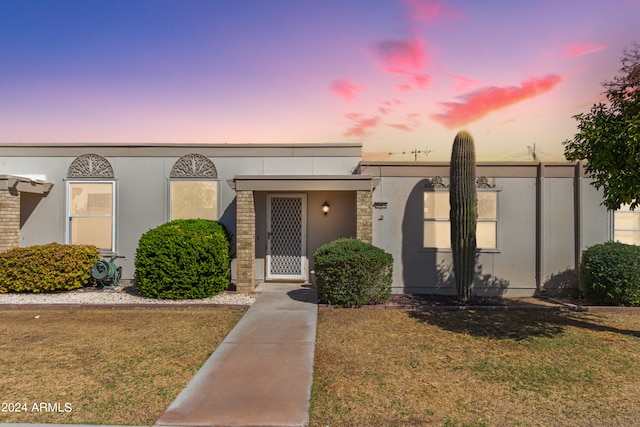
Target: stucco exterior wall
<point>558,236</point>
<point>398,229</point>
<point>142,186</point>
<point>547,214</point>
<point>595,219</point>
<point>339,222</point>
<point>42,218</point>
<point>515,263</point>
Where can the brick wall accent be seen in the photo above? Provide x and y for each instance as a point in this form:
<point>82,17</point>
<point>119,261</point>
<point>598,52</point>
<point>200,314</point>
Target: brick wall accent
<point>9,220</point>
<point>364,216</point>
<point>245,241</point>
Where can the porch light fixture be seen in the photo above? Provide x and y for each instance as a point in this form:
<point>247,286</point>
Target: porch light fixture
<point>325,208</point>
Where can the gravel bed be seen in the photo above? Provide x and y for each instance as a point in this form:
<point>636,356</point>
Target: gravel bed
<point>126,296</point>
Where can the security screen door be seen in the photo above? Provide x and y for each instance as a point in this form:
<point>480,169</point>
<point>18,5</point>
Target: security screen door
<point>286,236</point>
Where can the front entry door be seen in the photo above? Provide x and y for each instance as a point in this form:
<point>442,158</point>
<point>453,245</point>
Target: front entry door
<point>286,236</point>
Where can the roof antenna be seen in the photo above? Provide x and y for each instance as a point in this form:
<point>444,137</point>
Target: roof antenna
<point>415,153</point>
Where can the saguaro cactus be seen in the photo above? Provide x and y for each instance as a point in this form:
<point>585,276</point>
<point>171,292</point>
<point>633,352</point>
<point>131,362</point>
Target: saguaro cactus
<point>463,213</point>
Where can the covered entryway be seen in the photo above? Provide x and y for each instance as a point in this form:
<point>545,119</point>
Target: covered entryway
<point>286,237</point>
<point>280,221</point>
<point>12,211</point>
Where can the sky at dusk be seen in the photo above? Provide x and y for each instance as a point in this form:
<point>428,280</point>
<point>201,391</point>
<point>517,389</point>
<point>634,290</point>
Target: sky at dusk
<point>394,75</point>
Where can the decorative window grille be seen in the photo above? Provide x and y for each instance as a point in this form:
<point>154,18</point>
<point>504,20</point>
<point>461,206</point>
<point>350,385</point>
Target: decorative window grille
<point>90,166</point>
<point>194,166</point>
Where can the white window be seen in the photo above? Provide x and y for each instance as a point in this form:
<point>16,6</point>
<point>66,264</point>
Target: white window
<point>626,225</point>
<point>487,226</point>
<point>437,226</point>
<point>194,199</point>
<point>91,214</point>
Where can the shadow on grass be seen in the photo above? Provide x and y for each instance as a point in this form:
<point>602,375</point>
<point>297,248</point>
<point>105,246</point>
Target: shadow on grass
<point>515,325</point>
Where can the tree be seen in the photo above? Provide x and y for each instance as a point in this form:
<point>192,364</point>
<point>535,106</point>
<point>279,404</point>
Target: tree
<point>609,136</point>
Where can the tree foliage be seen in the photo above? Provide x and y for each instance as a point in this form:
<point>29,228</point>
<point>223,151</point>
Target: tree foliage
<point>609,136</point>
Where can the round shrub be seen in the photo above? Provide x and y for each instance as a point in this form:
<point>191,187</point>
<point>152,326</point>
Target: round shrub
<point>47,268</point>
<point>181,259</point>
<point>351,273</point>
<point>610,274</point>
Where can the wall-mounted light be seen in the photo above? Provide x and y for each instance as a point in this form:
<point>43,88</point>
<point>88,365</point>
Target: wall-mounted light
<point>325,208</point>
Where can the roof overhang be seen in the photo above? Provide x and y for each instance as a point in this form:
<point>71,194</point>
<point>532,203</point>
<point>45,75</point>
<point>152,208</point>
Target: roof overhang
<point>21,184</point>
<point>303,183</point>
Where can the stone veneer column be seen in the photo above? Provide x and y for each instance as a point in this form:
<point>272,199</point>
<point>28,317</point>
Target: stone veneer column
<point>9,220</point>
<point>364,216</point>
<point>245,241</point>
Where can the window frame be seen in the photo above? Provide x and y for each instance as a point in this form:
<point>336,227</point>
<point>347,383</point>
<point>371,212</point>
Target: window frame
<point>613,222</point>
<point>495,220</point>
<point>434,220</point>
<point>114,191</point>
<point>171,180</point>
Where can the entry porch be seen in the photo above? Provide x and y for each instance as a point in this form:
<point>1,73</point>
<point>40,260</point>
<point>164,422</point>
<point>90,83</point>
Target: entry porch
<point>282,219</point>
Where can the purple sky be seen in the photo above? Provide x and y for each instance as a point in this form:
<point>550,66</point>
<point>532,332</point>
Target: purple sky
<point>396,75</point>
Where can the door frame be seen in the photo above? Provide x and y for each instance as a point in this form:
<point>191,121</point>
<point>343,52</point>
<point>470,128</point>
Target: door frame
<point>304,264</point>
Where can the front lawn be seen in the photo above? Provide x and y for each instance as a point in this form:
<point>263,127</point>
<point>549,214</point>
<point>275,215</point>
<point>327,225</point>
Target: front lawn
<point>476,368</point>
<point>102,366</point>
<point>372,367</point>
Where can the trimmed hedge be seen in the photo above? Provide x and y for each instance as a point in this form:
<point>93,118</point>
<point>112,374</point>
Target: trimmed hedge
<point>47,268</point>
<point>351,273</point>
<point>610,274</point>
<point>183,259</point>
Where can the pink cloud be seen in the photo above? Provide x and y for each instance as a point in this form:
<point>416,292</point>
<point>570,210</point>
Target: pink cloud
<point>463,83</point>
<point>362,126</point>
<point>478,104</point>
<point>411,122</point>
<point>345,89</point>
<point>392,102</point>
<point>580,49</point>
<point>400,56</point>
<point>387,106</point>
<point>415,82</point>
<point>400,126</point>
<point>430,11</point>
<point>421,80</point>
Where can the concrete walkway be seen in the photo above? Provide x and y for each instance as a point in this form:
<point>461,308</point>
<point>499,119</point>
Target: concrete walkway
<point>261,373</point>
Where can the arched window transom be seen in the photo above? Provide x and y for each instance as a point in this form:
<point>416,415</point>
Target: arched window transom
<point>194,166</point>
<point>90,166</point>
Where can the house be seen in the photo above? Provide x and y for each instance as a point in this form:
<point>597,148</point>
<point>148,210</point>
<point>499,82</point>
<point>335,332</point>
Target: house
<point>284,201</point>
